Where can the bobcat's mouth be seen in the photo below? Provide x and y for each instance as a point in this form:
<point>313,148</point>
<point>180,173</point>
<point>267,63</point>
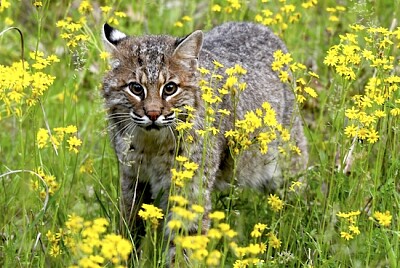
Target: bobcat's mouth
<point>149,124</point>
<point>153,126</point>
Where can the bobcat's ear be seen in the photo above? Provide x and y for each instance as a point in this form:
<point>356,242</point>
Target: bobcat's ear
<point>111,37</point>
<point>188,49</point>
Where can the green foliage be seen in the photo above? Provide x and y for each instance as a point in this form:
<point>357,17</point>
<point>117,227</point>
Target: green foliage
<point>56,161</point>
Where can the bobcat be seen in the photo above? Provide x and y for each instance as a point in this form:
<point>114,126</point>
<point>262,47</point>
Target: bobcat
<point>152,75</point>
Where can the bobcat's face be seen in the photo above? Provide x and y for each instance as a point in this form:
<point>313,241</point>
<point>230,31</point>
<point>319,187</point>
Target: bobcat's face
<point>150,76</point>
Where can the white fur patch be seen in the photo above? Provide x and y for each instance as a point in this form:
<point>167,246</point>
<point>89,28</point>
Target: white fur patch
<point>133,95</point>
<point>117,35</point>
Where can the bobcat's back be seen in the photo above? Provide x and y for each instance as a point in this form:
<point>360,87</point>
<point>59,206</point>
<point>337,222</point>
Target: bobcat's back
<point>252,46</point>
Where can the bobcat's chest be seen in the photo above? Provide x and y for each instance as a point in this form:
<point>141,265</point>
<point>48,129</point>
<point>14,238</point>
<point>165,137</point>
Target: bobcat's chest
<point>149,156</point>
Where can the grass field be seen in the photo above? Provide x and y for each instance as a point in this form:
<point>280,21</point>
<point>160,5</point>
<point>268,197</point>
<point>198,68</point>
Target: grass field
<point>59,186</point>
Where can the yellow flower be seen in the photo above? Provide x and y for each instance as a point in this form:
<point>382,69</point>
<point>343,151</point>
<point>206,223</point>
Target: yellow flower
<point>224,112</point>
<point>216,8</point>
<point>199,254</point>
<point>310,91</point>
<point>178,24</point>
<point>8,21</point>
<point>197,208</point>
<point>192,242</point>
<point>295,149</point>
<point>87,167</point>
<point>151,213</point>
<point>255,233</point>
<point>214,233</point>
<point>239,69</point>
<point>284,76</point>
<point>275,202</point>
<point>84,7</point>
<point>114,246</point>
<point>372,136</point>
<point>217,64</point>
<point>274,241</point>
<point>383,219</point>
<point>184,213</point>
<point>217,215</point>
<point>203,70</point>
<point>395,111</point>
<point>191,166</point>
<point>213,258</point>
<point>351,131</point>
<point>105,9</point>
<point>104,55</point>
<point>42,137</point>
<point>74,144</point>
<point>346,235</point>
<point>70,129</point>
<point>174,224</point>
<point>186,18</point>
<point>224,227</point>
<point>180,200</point>
<point>354,229</point>
<point>295,184</point>
<point>120,14</point>
<point>253,249</point>
<point>181,159</point>
<point>231,81</point>
<point>38,3</point>
<point>349,214</point>
<point>55,250</point>
<point>74,223</point>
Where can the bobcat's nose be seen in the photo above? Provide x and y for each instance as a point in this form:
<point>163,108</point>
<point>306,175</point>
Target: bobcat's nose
<point>153,114</point>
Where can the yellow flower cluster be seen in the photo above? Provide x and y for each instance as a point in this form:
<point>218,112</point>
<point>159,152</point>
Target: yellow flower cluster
<point>85,7</point>
<point>351,228</point>
<point>335,12</point>
<point>50,180</point>
<point>180,23</point>
<point>294,185</point>
<point>87,166</point>
<point>23,83</point>
<point>184,171</point>
<point>261,124</point>
<point>38,3</point>
<point>182,216</point>
<point>228,7</point>
<point>113,17</point>
<point>232,5</point>
<point>283,15</point>
<point>371,54</point>
<point>283,62</point>
<point>44,137</point>
<point>253,251</point>
<point>201,248</point>
<point>89,244</point>
<point>259,127</point>
<point>74,30</point>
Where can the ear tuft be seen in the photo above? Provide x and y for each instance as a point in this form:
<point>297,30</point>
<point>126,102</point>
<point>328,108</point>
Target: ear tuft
<point>111,36</point>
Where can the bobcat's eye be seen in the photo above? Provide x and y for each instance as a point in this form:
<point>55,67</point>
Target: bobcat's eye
<point>169,89</point>
<point>136,89</point>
